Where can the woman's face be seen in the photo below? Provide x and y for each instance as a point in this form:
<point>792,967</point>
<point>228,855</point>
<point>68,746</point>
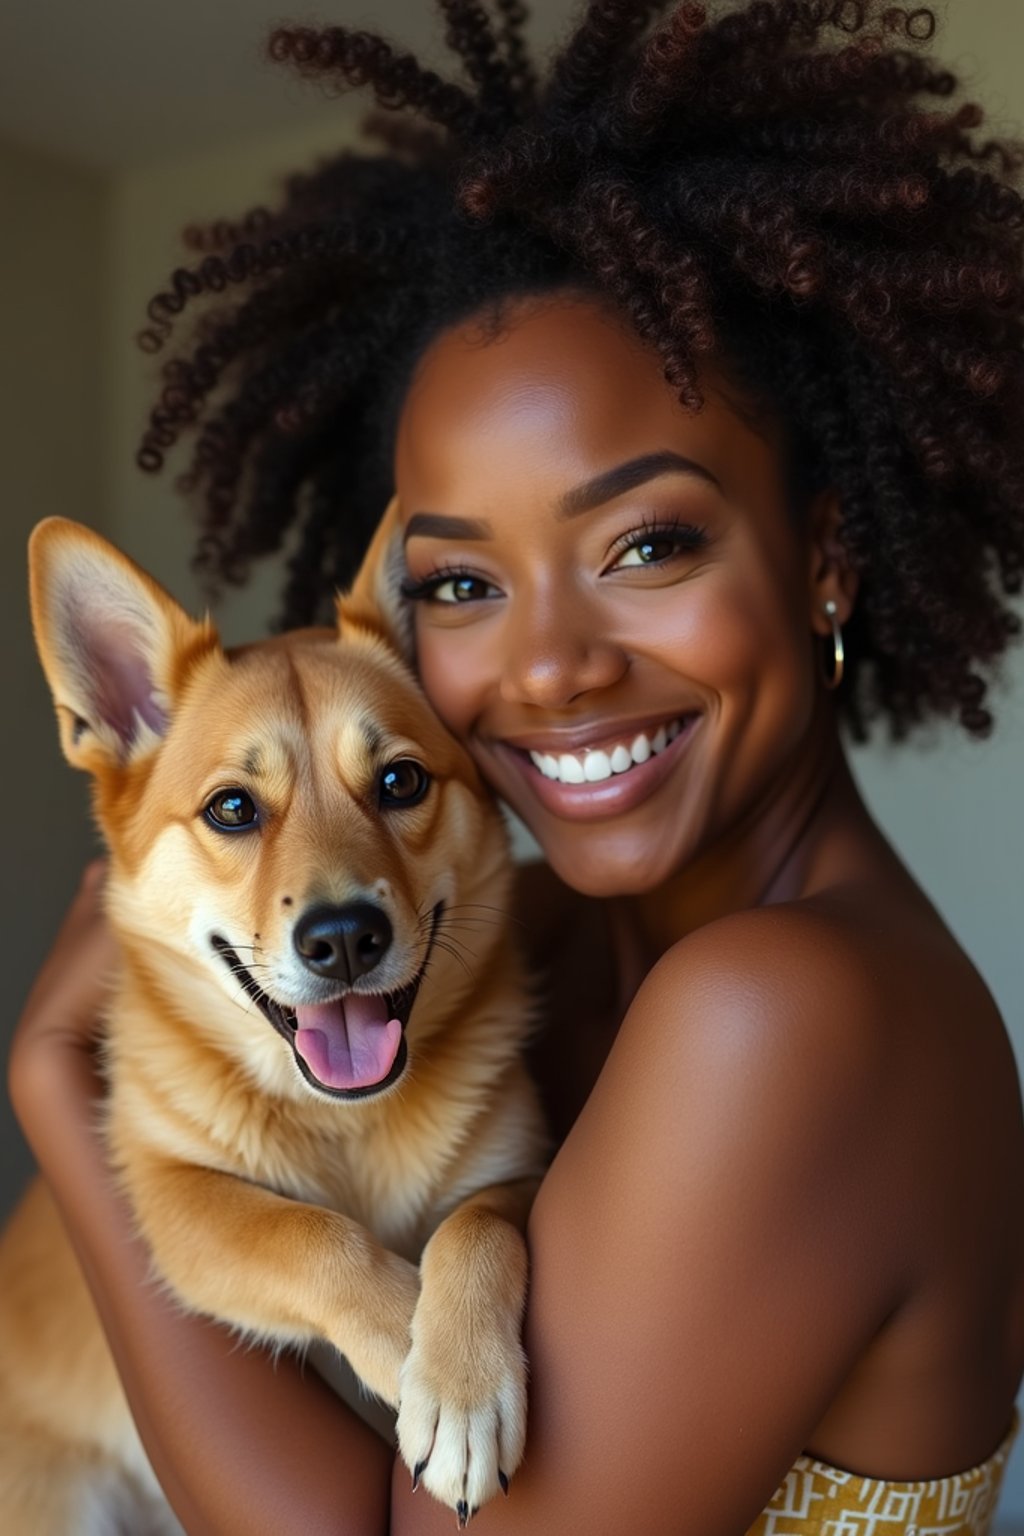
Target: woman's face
<point>613,604</point>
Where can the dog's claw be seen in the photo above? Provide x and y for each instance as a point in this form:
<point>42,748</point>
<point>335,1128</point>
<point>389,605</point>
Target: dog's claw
<point>418,1471</point>
<point>462,1511</point>
<point>503,1480</point>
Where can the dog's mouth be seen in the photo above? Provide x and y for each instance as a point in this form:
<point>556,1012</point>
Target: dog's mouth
<point>351,1047</point>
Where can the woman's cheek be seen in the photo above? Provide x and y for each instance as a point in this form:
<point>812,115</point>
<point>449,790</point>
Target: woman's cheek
<point>740,645</point>
<point>759,659</point>
<point>447,673</point>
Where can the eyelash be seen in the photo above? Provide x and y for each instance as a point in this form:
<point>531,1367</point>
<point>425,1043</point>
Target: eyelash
<point>685,537</point>
<point>423,591</point>
<point>688,537</point>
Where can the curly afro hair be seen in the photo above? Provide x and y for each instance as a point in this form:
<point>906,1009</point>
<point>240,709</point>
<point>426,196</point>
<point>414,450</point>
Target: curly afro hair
<point>771,182</point>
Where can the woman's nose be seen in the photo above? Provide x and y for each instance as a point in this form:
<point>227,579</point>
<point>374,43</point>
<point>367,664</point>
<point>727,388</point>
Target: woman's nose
<point>554,655</point>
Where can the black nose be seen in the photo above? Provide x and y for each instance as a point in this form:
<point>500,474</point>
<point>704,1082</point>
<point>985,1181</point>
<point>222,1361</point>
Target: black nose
<point>343,942</point>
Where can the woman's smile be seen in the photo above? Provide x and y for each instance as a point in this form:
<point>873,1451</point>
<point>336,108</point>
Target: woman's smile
<point>589,783</point>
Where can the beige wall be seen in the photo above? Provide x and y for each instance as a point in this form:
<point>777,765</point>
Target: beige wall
<point>53,263</point>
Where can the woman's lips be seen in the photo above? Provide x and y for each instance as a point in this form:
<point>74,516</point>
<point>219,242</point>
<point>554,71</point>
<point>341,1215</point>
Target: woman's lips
<point>608,797</point>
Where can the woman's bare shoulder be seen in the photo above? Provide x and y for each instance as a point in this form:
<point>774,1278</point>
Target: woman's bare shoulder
<point>863,969</point>
<point>799,982</point>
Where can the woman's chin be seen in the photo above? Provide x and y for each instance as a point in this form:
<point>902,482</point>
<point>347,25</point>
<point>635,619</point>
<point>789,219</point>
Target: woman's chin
<point>607,867</point>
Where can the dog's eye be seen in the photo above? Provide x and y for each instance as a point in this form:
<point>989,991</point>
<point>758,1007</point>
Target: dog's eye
<point>403,783</point>
<point>231,810</point>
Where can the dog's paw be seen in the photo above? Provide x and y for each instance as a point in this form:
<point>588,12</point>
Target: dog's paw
<point>462,1412</point>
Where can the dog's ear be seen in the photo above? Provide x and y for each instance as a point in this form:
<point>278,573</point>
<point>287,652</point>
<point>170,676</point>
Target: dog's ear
<point>374,601</point>
<point>114,645</point>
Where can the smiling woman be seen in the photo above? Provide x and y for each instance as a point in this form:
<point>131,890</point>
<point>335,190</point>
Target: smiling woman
<point>691,377</point>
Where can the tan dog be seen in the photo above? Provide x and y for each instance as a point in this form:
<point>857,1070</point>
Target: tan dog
<point>315,1082</point>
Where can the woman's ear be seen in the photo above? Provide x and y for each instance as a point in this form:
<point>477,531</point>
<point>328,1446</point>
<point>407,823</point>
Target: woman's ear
<point>831,576</point>
<point>374,601</point>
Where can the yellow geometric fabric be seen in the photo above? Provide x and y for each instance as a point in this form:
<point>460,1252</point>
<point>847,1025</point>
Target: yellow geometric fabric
<point>818,1500</point>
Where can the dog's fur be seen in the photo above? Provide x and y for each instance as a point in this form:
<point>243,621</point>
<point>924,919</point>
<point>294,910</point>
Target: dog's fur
<point>388,1223</point>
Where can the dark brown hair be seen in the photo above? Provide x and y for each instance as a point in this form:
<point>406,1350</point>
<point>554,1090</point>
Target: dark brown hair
<point>784,183</point>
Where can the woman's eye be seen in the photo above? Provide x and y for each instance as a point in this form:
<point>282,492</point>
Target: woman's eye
<point>656,546</point>
<point>402,784</point>
<point>650,552</point>
<point>231,810</point>
<point>448,588</point>
<point>460,589</point>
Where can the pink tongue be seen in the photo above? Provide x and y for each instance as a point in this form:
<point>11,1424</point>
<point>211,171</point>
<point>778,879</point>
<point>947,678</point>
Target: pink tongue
<point>348,1044</point>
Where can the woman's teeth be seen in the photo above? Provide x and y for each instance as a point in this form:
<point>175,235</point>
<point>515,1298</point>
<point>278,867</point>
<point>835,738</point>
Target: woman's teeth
<point>592,767</point>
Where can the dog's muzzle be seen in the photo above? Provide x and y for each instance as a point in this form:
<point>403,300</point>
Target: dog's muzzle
<point>352,1046</point>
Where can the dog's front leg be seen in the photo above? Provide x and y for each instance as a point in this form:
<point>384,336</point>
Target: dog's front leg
<point>278,1268</point>
<point>462,1411</point>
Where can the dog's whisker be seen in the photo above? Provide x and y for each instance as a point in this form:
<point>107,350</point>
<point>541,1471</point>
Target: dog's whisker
<point>453,937</point>
<point>243,970</point>
<point>457,915</point>
<point>455,956</point>
<point>498,914</point>
<point>468,924</point>
<point>454,942</point>
<point>490,906</point>
<point>501,914</point>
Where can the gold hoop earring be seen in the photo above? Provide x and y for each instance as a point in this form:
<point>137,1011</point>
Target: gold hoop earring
<point>833,679</point>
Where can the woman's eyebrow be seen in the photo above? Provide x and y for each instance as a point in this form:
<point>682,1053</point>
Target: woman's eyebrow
<point>626,477</point>
<point>434,525</point>
<point>582,498</point>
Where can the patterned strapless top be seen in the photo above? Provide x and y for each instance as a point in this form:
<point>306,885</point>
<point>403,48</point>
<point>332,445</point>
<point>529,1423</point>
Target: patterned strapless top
<point>818,1500</point>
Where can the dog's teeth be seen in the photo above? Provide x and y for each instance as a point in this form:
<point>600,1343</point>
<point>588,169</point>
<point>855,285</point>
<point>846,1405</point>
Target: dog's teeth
<point>597,766</point>
<point>570,770</point>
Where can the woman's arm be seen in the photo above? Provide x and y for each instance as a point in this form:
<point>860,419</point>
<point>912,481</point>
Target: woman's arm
<point>239,1443</point>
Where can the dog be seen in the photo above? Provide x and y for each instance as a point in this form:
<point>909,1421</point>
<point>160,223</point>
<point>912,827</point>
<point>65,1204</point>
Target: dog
<point>316,1104</point>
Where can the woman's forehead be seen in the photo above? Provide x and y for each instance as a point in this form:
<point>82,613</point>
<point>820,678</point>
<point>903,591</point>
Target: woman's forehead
<point>564,388</point>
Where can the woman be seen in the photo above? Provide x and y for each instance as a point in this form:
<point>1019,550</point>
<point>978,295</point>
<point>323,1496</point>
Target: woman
<point>697,374</point>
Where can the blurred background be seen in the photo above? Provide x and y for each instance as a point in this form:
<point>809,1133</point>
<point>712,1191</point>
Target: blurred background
<point>120,122</point>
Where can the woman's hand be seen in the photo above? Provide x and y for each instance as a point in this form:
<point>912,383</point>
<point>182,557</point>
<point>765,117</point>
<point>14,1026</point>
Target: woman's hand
<point>56,1036</point>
